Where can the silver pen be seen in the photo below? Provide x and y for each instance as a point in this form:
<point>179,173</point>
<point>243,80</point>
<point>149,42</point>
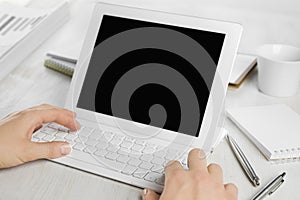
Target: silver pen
<point>270,188</point>
<point>243,161</point>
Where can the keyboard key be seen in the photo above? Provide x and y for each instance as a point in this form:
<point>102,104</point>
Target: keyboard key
<point>71,136</point>
<point>90,149</point>
<point>148,149</point>
<point>124,151</point>
<point>152,176</point>
<point>71,142</point>
<point>101,145</point>
<point>84,132</point>
<point>126,144</point>
<point>119,137</point>
<point>79,146</point>
<point>157,161</point>
<point>100,153</point>
<point>146,157</point>
<point>134,162</point>
<point>39,135</point>
<point>59,139</point>
<point>108,135</point>
<point>61,134</point>
<point>123,158</point>
<point>95,135</point>
<point>146,165</point>
<point>160,153</point>
<point>33,139</point>
<point>137,147</point>
<point>129,139</point>
<point>81,139</point>
<point>158,169</point>
<point>140,142</point>
<point>111,156</point>
<point>49,138</point>
<point>115,141</point>
<point>128,170</point>
<point>91,142</point>
<point>116,166</point>
<point>112,148</point>
<point>140,173</point>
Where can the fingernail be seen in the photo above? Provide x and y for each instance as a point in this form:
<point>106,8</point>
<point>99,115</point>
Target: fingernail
<point>77,125</point>
<point>65,149</point>
<point>202,154</point>
<point>145,191</point>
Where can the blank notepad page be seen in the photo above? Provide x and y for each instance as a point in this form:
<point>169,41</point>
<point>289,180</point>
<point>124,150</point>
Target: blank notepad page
<point>275,129</point>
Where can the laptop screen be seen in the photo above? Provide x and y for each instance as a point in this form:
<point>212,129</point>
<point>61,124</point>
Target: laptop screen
<point>151,73</point>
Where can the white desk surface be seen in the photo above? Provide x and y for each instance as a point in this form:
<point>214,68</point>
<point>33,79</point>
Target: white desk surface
<point>31,84</point>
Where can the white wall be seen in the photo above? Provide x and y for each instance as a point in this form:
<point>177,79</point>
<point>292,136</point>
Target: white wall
<point>264,21</point>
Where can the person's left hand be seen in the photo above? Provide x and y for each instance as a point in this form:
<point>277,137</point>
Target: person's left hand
<point>16,130</point>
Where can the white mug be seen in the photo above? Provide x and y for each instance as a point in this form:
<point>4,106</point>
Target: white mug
<point>278,69</point>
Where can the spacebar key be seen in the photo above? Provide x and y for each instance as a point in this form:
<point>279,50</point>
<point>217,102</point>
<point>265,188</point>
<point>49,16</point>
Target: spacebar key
<point>116,166</point>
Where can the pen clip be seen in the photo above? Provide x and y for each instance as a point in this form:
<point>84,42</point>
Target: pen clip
<point>276,187</point>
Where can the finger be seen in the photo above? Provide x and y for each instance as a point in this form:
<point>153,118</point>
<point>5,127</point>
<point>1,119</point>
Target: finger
<point>232,190</point>
<point>63,117</point>
<point>150,195</point>
<point>48,150</point>
<point>216,172</point>
<point>197,160</point>
<point>171,167</point>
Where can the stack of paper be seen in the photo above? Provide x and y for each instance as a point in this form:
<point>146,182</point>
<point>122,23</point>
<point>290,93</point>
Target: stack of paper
<point>23,29</point>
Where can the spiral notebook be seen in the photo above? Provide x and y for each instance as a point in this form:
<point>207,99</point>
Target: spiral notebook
<point>274,129</point>
<point>62,64</point>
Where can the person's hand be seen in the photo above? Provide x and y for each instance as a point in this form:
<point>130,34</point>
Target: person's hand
<point>198,183</point>
<point>16,131</point>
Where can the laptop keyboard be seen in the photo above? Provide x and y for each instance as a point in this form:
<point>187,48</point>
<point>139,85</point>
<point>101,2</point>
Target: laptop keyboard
<point>133,157</point>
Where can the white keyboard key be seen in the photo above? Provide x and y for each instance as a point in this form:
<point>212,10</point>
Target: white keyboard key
<point>115,141</point>
<point>90,149</point>
<point>146,157</point>
<point>151,145</point>
<point>119,137</point>
<point>83,132</point>
<point>91,142</point>
<point>112,148</point>
<point>124,151</point>
<point>157,161</point>
<point>61,134</point>
<point>59,139</point>
<point>152,176</point>
<point>140,142</point>
<point>101,145</point>
<point>53,126</point>
<point>128,170</point>
<point>88,129</point>
<point>100,153</point>
<point>71,137</point>
<point>126,144</point>
<point>129,139</point>
<point>146,165</point>
<point>111,156</point>
<point>140,173</point>
<point>49,138</point>
<point>63,129</point>
<point>108,135</point>
<point>123,158</point>
<point>81,139</point>
<point>33,139</point>
<point>137,147</point>
<point>134,162</point>
<point>160,153</point>
<point>135,154</point>
<point>39,135</point>
<point>148,149</point>
<point>158,169</point>
<point>79,146</point>
<point>96,135</point>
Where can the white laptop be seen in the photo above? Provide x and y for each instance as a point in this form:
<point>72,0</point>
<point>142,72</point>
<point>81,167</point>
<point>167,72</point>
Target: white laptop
<point>149,86</point>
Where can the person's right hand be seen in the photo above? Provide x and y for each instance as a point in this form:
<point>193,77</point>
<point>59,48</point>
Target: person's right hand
<point>198,183</point>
